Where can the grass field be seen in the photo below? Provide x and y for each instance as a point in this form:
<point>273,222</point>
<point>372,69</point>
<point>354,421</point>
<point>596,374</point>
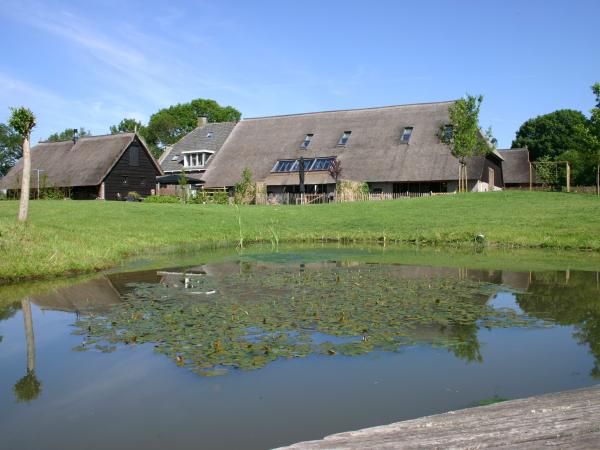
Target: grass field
<point>75,236</point>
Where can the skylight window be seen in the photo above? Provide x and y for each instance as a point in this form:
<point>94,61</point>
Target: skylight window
<point>344,138</point>
<point>306,141</point>
<point>174,158</point>
<point>310,165</point>
<point>406,134</point>
<point>209,134</point>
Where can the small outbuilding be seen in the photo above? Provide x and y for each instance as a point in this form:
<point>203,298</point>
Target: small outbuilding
<point>97,167</point>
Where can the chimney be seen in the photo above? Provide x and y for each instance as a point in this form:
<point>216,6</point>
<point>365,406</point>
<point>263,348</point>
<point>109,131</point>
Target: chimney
<point>202,120</point>
<point>75,135</point>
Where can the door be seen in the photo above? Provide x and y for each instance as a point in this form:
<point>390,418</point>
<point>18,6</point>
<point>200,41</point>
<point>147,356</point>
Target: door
<point>490,179</point>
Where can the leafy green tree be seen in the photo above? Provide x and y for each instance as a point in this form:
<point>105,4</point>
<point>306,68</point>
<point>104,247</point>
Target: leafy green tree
<point>463,135</point>
<point>127,126</point>
<point>67,135</point>
<point>552,134</point>
<point>10,148</point>
<point>245,190</point>
<point>170,124</point>
<point>22,121</point>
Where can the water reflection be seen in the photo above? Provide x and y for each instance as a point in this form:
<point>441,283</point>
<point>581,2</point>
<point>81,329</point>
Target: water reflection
<point>29,387</point>
<point>261,312</point>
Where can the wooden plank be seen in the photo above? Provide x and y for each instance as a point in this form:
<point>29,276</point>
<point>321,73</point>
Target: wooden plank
<point>568,419</point>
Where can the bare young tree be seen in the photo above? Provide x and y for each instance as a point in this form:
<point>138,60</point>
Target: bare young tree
<point>22,121</point>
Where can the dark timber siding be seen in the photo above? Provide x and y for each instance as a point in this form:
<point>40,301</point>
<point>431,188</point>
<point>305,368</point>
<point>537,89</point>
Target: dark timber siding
<point>139,178</point>
<point>490,163</point>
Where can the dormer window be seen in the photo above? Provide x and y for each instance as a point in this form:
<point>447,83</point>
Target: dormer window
<point>344,138</point>
<point>406,134</point>
<point>196,159</point>
<point>306,141</point>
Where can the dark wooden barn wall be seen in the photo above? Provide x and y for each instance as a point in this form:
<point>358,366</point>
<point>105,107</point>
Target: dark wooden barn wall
<point>490,163</point>
<point>140,178</point>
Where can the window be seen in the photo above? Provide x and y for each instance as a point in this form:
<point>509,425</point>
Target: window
<point>406,134</point>
<point>134,156</point>
<point>142,182</point>
<point>209,134</point>
<point>322,164</point>
<point>447,133</point>
<point>310,164</point>
<point>284,165</point>
<point>124,180</point>
<point>344,138</point>
<point>196,159</point>
<point>174,158</point>
<point>306,141</point>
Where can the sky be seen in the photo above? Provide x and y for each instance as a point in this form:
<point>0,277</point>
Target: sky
<point>91,63</point>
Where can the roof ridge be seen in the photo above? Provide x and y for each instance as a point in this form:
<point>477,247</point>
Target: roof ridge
<point>346,110</point>
<point>87,137</point>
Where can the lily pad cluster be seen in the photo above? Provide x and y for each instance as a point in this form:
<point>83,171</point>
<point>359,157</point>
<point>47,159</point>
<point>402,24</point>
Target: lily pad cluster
<point>255,314</point>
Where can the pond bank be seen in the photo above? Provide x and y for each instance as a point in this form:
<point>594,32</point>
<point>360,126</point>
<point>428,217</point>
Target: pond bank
<point>67,237</point>
<point>566,419</point>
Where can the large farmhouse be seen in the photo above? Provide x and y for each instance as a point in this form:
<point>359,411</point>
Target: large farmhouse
<point>105,167</point>
<point>394,149</point>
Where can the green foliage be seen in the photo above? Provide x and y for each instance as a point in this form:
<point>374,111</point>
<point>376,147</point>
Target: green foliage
<point>206,198</point>
<point>10,148</point>
<point>127,126</point>
<point>22,120</point>
<point>245,190</point>
<point>547,172</point>
<point>134,195</point>
<point>170,124</point>
<point>552,134</point>
<point>255,315</point>
<point>465,139</point>
<point>67,135</point>
<point>27,388</point>
<point>162,199</point>
<point>183,187</point>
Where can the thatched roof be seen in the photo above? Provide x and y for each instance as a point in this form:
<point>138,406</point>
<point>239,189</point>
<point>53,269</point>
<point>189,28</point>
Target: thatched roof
<point>69,164</point>
<point>210,136</point>
<point>373,153</point>
<point>515,167</point>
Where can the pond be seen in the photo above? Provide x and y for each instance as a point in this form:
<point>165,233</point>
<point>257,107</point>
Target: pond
<point>265,347</point>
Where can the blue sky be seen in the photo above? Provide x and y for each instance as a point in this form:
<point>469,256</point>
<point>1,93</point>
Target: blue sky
<point>90,63</point>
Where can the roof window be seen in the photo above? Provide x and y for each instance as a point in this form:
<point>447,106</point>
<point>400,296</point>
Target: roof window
<point>406,134</point>
<point>344,138</point>
<point>209,134</point>
<point>306,141</point>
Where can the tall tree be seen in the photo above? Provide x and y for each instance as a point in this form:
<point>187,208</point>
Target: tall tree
<point>552,134</point>
<point>22,121</point>
<point>29,387</point>
<point>170,124</point>
<point>463,134</point>
<point>67,134</point>
<point>10,148</point>
<point>127,126</point>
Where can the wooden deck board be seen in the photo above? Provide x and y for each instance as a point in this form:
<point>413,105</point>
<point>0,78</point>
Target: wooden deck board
<point>568,419</point>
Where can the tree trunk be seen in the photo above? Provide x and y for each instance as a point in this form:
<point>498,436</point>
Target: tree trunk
<point>26,175</point>
<point>27,318</point>
<point>466,183</point>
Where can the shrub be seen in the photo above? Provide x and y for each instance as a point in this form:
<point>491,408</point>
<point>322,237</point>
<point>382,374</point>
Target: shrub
<point>245,190</point>
<point>217,198</point>
<point>162,199</point>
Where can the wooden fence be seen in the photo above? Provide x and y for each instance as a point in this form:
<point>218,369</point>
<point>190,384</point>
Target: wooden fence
<point>304,199</point>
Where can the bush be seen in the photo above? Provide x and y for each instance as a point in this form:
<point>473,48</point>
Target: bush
<point>216,198</point>
<point>52,193</point>
<point>162,199</point>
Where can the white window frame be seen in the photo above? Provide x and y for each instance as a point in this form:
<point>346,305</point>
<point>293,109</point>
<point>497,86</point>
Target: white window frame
<point>196,158</point>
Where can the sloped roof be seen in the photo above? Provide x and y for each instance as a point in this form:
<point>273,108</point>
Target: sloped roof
<point>68,164</point>
<point>373,153</point>
<point>198,139</point>
<point>515,167</point>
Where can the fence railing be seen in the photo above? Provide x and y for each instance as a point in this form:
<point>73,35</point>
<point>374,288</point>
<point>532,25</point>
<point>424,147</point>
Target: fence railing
<point>303,199</point>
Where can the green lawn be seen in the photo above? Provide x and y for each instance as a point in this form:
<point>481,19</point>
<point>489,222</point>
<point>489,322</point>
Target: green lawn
<point>77,236</point>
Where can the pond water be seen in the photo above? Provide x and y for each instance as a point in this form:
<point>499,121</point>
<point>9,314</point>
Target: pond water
<point>263,349</point>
